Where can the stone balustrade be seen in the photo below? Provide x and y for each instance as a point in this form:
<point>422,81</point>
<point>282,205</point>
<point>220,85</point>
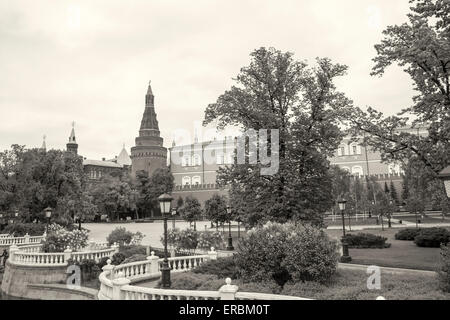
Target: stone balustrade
<point>31,255</point>
<point>19,241</point>
<point>95,254</point>
<point>181,264</point>
<point>115,282</point>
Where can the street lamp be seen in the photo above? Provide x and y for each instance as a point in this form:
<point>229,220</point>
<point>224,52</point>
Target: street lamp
<point>48,215</point>
<point>230,239</point>
<point>79,223</point>
<point>174,212</point>
<point>345,255</point>
<point>164,201</point>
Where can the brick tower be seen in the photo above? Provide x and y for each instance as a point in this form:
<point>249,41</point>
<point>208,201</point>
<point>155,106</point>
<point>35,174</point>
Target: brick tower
<point>72,145</point>
<point>148,154</point>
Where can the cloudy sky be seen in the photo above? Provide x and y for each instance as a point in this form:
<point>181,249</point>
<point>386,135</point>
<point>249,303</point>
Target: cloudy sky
<point>90,61</point>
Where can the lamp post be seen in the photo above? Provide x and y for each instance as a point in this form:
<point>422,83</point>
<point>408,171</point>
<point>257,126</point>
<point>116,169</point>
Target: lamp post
<point>391,209</point>
<point>174,212</point>
<point>48,215</point>
<point>230,239</point>
<point>345,255</point>
<point>1,221</point>
<point>239,227</point>
<point>79,223</point>
<point>164,202</point>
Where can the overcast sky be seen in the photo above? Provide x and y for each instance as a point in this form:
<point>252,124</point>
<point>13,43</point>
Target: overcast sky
<point>90,61</point>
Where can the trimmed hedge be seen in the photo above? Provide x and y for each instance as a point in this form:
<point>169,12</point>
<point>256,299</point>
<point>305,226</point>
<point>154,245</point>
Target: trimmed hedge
<point>407,234</point>
<point>366,240</point>
<point>222,268</point>
<point>432,237</point>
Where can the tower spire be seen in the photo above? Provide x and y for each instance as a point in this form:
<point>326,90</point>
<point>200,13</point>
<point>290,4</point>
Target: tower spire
<point>149,97</point>
<point>72,145</point>
<point>44,146</point>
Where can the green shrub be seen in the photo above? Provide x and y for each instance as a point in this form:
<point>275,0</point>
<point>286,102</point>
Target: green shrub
<point>131,250</point>
<point>124,237</point>
<point>366,240</point>
<point>58,239</point>
<point>259,256</point>
<point>134,258</point>
<point>407,234</point>
<point>191,281</point>
<point>310,255</point>
<point>444,270</point>
<point>269,286</point>
<point>102,262</point>
<point>208,239</point>
<point>89,269</point>
<point>222,268</point>
<point>281,252</point>
<point>117,258</point>
<point>21,229</point>
<point>432,237</point>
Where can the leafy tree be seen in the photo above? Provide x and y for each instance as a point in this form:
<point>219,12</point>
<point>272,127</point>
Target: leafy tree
<point>216,209</point>
<point>31,180</point>
<point>191,210</point>
<point>422,48</point>
<point>277,92</point>
<point>393,192</point>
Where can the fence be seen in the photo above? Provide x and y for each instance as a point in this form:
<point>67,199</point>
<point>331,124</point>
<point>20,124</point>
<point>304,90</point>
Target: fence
<point>31,255</point>
<point>19,241</point>
<point>115,282</point>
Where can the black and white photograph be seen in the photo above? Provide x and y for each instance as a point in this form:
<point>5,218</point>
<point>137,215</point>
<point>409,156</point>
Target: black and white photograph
<point>231,156</point>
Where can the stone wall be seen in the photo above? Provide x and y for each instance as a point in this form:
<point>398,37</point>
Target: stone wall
<point>16,278</point>
<point>60,292</point>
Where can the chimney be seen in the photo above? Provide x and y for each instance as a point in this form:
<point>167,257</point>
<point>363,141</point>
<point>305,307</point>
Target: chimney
<point>103,159</point>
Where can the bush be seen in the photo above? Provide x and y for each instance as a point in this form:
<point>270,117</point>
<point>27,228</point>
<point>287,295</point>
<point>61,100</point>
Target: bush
<point>444,270</point>
<point>432,237</point>
<point>134,258</point>
<point>259,256</point>
<point>366,240</point>
<point>310,255</point>
<point>208,239</point>
<point>269,286</point>
<point>124,237</point>
<point>222,268</point>
<point>21,229</point>
<point>407,234</point>
<point>190,281</point>
<point>117,258</point>
<point>131,250</point>
<point>58,239</point>
<point>280,253</point>
<point>89,269</point>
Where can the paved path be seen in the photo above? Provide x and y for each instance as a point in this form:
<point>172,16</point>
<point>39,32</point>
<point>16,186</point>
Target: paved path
<point>405,224</point>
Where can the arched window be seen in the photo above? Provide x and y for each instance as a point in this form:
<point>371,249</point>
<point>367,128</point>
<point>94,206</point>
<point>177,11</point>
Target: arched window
<point>357,170</point>
<point>342,150</point>
<point>196,160</point>
<point>186,180</point>
<point>346,169</point>
<point>355,148</point>
<point>196,180</point>
<point>185,161</point>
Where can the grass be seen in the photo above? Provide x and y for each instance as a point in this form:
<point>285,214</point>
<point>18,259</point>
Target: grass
<point>345,285</point>
<point>354,222</point>
<point>401,254</point>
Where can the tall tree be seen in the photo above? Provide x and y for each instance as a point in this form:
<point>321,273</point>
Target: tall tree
<point>422,48</point>
<point>393,193</point>
<point>216,208</point>
<point>191,210</point>
<point>277,92</point>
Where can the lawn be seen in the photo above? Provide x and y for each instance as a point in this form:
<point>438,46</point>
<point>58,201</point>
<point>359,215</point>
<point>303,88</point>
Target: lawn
<point>354,222</point>
<point>401,254</point>
<point>345,285</point>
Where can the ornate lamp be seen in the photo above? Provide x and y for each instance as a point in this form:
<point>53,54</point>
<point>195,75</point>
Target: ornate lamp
<point>345,255</point>
<point>165,201</point>
<point>48,215</point>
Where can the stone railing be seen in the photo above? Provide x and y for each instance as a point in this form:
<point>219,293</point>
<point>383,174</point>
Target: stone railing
<point>181,264</point>
<point>31,255</point>
<point>20,241</point>
<point>4,235</point>
<point>115,282</point>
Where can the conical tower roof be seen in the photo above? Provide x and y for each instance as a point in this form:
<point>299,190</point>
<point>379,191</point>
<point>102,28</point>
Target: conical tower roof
<point>123,158</point>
